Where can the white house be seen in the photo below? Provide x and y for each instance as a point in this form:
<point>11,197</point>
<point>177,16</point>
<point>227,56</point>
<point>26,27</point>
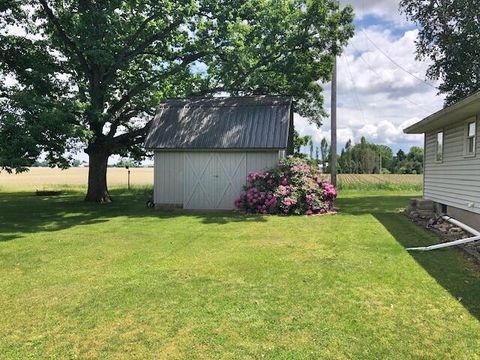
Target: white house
<point>452,159</point>
<point>204,148</point>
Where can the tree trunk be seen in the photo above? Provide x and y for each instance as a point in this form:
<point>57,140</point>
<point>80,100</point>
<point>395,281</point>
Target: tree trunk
<point>97,178</point>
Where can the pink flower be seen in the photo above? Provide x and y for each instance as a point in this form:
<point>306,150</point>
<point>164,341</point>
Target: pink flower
<point>271,203</point>
<point>284,190</point>
<point>289,201</point>
<point>255,175</point>
<point>277,191</point>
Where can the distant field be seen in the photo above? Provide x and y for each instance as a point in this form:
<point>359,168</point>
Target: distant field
<point>364,182</point>
<point>379,179</point>
<point>46,178</point>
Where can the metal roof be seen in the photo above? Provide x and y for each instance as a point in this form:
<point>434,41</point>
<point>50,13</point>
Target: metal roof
<point>461,110</point>
<point>255,122</point>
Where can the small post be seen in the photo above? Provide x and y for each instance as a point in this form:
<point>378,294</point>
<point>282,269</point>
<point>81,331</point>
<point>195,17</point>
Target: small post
<point>333,127</point>
<point>128,172</point>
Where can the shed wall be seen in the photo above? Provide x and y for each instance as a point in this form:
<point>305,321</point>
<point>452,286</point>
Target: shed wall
<point>260,161</point>
<point>183,177</point>
<point>456,180</point>
<point>168,178</point>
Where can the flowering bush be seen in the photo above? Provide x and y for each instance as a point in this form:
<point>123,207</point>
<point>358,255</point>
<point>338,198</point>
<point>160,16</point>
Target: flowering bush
<point>293,187</point>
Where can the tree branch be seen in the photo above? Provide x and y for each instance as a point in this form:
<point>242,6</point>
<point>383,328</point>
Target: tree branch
<point>124,116</point>
<point>186,60</point>
<point>131,138</point>
<point>71,45</point>
<point>127,54</point>
<point>130,41</point>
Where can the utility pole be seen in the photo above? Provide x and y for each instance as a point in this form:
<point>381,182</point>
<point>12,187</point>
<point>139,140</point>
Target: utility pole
<point>333,127</point>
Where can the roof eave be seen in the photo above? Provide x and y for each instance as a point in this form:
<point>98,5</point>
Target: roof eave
<point>431,122</point>
<point>190,149</point>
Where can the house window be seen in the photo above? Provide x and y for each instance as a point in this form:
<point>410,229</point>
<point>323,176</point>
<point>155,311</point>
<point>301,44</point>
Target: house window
<point>471,138</point>
<point>439,147</point>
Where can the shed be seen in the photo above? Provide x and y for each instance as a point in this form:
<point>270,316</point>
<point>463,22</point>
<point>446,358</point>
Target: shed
<point>204,148</point>
<point>452,159</point>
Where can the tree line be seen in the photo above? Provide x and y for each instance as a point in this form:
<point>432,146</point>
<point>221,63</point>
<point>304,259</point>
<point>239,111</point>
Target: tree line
<point>362,158</point>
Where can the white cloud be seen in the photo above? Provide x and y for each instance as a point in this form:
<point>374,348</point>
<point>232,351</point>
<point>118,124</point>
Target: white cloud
<point>376,98</point>
<point>386,9</point>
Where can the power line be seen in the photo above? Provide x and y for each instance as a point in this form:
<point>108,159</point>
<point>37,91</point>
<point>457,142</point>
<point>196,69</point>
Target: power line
<point>372,69</point>
<point>397,64</point>
<point>360,108</point>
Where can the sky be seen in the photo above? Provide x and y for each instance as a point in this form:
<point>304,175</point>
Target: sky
<point>376,96</point>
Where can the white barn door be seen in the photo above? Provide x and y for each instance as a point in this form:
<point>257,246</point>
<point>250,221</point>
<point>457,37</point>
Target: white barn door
<point>231,176</point>
<point>213,179</point>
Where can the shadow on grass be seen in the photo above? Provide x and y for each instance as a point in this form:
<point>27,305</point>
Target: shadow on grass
<point>447,266</point>
<point>23,212</point>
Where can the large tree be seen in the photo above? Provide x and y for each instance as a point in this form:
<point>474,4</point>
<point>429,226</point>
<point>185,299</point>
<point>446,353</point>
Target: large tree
<point>449,37</point>
<point>91,72</point>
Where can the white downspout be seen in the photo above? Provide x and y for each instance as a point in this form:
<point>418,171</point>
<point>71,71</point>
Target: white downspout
<point>475,237</point>
<point>461,225</point>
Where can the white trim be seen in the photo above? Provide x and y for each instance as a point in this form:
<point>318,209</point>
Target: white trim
<point>466,138</point>
<point>436,145</point>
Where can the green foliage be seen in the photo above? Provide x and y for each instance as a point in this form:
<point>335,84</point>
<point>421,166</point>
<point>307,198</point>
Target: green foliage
<point>385,155</point>
<point>325,151</point>
<point>449,38</point>
<point>298,142</point>
<point>26,133</point>
<point>369,158</point>
<point>411,163</point>
<point>93,72</point>
<point>360,158</point>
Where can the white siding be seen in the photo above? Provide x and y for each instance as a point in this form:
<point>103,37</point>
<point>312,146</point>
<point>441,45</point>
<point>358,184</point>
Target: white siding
<point>456,180</point>
<point>206,180</point>
<point>168,178</point>
<point>261,160</point>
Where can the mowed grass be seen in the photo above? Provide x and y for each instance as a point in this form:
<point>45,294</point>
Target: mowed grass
<point>120,281</point>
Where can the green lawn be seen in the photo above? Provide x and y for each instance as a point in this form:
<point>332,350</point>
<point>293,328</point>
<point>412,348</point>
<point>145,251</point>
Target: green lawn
<point>123,281</point>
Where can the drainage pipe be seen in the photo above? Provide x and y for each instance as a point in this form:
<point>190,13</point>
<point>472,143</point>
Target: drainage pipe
<point>461,225</point>
<point>475,237</point>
